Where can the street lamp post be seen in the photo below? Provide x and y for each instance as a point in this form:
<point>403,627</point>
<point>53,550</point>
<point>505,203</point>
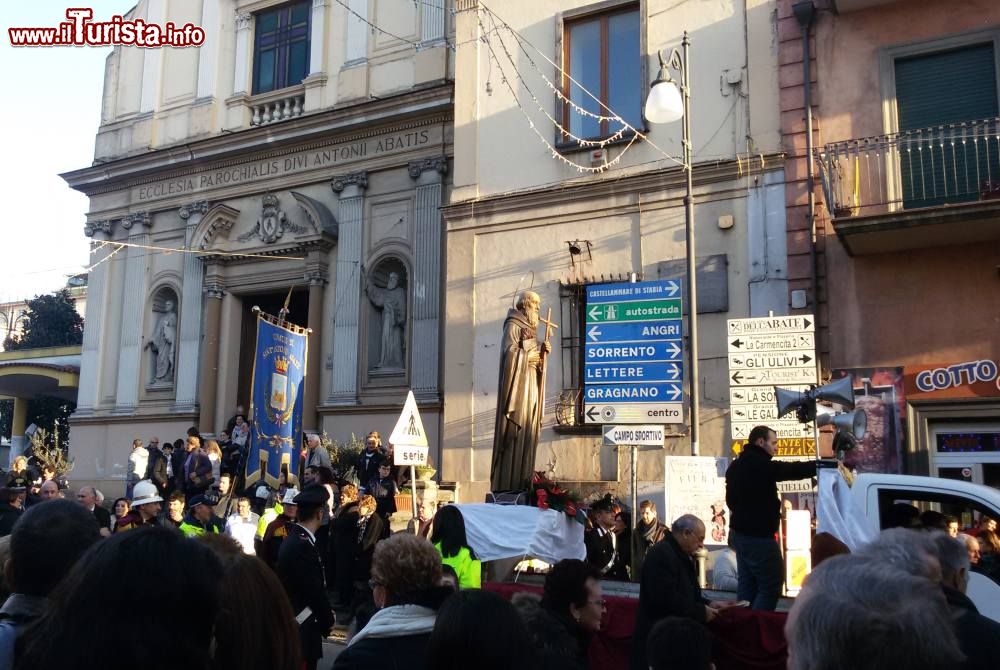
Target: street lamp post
<point>667,103</point>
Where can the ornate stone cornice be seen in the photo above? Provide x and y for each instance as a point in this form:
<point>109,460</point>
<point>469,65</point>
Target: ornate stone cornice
<point>436,163</point>
<point>316,277</point>
<point>215,289</point>
<point>92,227</point>
<point>199,207</point>
<point>141,218</point>
<point>340,182</point>
<point>243,20</point>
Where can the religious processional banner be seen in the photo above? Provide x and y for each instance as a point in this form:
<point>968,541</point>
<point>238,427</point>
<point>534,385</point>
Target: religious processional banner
<point>279,373</point>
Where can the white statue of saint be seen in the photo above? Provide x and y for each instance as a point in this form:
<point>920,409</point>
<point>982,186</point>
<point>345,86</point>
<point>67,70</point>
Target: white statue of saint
<point>391,301</point>
<point>162,343</point>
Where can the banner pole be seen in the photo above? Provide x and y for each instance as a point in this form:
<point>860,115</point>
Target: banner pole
<point>413,494</point>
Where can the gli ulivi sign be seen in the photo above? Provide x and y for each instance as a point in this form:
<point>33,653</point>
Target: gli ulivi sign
<point>977,378</point>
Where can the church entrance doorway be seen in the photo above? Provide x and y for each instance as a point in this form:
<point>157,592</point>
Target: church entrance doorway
<point>271,302</point>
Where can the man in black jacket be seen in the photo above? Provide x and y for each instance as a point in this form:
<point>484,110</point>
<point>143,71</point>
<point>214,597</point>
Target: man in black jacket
<point>156,467</point>
<point>300,569</point>
<point>669,585</point>
<point>752,497</point>
<point>978,636</point>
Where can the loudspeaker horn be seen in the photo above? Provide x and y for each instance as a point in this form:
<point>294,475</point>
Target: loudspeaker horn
<point>788,400</point>
<point>840,392</point>
<point>855,423</point>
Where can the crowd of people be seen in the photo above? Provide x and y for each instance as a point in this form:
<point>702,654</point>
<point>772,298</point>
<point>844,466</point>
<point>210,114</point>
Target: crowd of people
<point>193,569</point>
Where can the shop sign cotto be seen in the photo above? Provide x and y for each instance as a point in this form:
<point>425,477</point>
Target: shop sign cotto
<point>969,378</point>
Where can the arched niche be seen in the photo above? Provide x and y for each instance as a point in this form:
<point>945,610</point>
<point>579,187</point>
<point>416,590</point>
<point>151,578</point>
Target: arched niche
<point>161,345</point>
<point>386,288</point>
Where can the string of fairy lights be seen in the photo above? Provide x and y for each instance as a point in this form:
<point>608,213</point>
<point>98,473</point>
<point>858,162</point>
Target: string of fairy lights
<point>494,34</point>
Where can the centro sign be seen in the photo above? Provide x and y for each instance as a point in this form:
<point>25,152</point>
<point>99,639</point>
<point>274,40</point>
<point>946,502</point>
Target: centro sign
<point>959,374</point>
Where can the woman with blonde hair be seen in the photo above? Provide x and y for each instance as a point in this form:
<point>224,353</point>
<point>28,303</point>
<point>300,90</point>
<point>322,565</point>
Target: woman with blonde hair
<point>214,453</point>
<point>18,477</point>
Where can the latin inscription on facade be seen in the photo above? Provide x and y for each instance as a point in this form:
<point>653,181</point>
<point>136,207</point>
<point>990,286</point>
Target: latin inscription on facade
<point>298,162</point>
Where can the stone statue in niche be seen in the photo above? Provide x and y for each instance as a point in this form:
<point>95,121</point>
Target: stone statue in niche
<point>162,343</point>
<point>391,302</point>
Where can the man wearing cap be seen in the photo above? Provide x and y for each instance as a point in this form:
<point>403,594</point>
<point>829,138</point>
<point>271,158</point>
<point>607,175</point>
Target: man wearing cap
<point>601,541</point>
<point>300,569</point>
<point>199,518</point>
<point>146,507</point>
<point>277,530</point>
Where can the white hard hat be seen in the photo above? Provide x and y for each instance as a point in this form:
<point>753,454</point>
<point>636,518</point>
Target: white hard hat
<point>289,498</point>
<point>144,493</point>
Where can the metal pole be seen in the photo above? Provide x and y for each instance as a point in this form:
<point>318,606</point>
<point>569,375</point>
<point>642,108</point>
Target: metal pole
<point>413,499</point>
<point>635,504</point>
<point>692,288</point>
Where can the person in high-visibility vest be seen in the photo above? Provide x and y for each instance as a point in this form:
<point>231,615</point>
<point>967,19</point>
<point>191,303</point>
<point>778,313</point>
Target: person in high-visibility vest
<point>198,519</point>
<point>277,530</point>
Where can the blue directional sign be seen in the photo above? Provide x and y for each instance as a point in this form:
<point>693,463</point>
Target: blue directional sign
<point>629,372</point>
<point>634,332</point>
<point>623,352</point>
<point>633,353</point>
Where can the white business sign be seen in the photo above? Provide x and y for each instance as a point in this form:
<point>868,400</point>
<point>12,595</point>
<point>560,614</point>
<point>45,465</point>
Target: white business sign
<point>784,429</point>
<point>752,344</point>
<point>764,353</point>
<point>640,436</point>
<point>771,325</point>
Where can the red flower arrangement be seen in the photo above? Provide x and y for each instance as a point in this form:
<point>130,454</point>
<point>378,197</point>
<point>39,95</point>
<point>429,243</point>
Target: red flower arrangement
<point>547,494</point>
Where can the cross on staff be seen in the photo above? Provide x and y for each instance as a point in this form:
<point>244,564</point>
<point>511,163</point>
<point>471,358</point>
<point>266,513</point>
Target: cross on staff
<point>549,325</point>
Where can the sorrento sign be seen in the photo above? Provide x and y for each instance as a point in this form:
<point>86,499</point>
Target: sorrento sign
<point>293,163</point>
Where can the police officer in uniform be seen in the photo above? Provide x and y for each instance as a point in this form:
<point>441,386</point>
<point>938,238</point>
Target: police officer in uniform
<point>601,542</point>
<point>300,569</point>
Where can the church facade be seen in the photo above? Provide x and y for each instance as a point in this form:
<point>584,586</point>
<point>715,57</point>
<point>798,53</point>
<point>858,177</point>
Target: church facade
<point>298,155</point>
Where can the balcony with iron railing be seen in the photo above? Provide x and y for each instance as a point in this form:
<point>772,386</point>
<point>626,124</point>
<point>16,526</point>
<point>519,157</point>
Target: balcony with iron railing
<point>915,188</point>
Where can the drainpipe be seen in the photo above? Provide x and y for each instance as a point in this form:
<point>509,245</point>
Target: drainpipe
<point>805,12</point>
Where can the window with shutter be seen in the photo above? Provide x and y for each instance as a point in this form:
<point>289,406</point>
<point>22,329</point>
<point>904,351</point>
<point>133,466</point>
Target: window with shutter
<point>947,108</point>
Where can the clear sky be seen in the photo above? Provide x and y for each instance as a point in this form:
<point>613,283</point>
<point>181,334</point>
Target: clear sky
<point>50,113</point>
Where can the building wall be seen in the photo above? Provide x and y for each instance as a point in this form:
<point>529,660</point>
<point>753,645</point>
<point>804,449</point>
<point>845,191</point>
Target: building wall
<point>158,98</point>
<point>182,164</point>
<point>896,309</point>
<point>514,208</point>
<point>730,42</point>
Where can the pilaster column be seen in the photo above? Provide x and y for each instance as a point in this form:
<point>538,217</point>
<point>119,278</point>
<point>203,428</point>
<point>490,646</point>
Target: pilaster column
<point>426,343</point>
<point>316,276</point>
<point>214,292</point>
<point>351,188</point>
<point>151,60</point>
<point>240,78</point>
<point>317,40</point>
<point>432,21</point>
<point>18,442</point>
<point>190,312</point>
<point>208,53</point>
<point>130,342</point>
<point>357,33</point>
<point>93,323</point>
